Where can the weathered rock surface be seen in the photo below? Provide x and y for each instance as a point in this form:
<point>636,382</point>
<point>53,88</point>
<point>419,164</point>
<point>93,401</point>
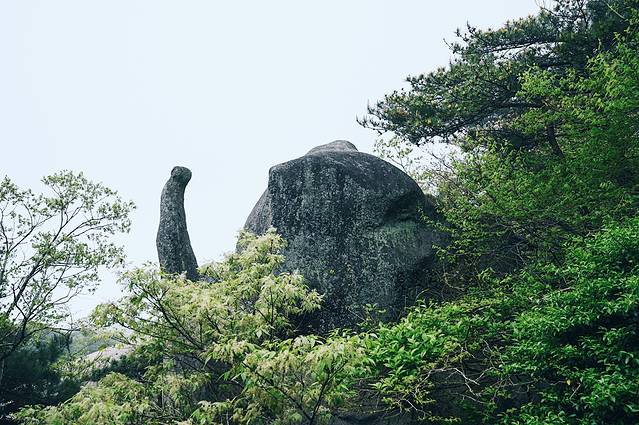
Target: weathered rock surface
<point>355,230</point>
<point>173,243</point>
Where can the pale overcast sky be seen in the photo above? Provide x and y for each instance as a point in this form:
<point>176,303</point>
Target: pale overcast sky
<point>123,90</point>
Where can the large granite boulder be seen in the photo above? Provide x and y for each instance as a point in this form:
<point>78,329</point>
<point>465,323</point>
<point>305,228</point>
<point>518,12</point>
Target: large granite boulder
<point>172,241</point>
<point>355,229</point>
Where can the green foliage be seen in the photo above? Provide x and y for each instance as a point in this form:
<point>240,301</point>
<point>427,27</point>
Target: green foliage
<point>560,165</point>
<point>114,400</point>
<point>538,198</point>
<point>408,355</point>
<point>51,249</point>
<point>477,96</point>
<point>33,376</point>
<point>552,344</point>
<point>219,350</point>
<point>579,343</point>
<point>295,381</point>
<point>240,300</point>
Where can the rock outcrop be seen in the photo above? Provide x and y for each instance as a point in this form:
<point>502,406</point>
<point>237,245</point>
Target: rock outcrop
<point>355,229</point>
<point>173,243</point>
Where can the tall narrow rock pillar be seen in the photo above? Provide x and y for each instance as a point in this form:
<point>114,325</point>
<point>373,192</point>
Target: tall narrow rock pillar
<point>173,243</point>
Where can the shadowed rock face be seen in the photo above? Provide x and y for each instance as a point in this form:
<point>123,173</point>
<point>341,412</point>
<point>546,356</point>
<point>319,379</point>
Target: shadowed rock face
<point>173,244</point>
<point>354,230</point>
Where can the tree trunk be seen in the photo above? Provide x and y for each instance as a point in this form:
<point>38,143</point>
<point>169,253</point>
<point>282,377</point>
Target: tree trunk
<point>552,140</point>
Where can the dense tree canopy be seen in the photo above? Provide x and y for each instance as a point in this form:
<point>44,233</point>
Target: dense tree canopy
<point>544,114</point>
<point>32,375</point>
<point>540,199</point>
<point>477,98</point>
